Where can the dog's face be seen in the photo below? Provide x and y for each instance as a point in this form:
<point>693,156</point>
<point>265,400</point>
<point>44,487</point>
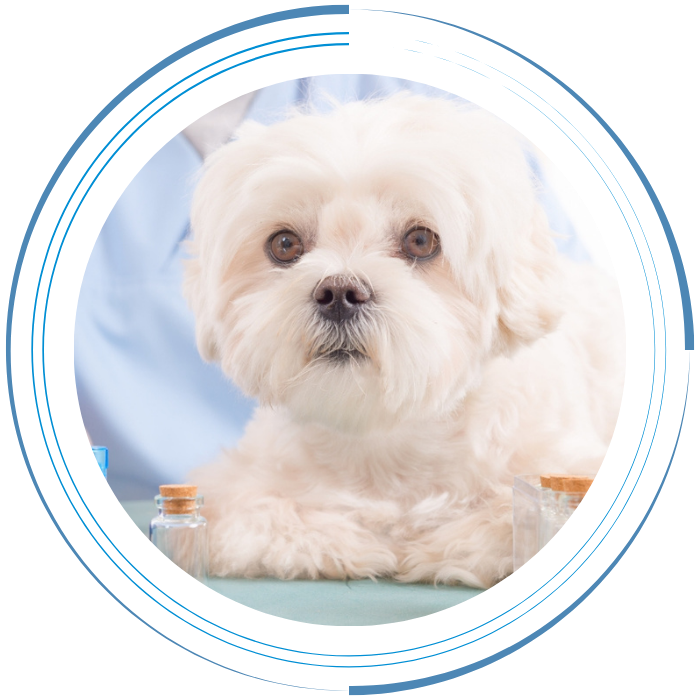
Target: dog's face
<point>360,267</point>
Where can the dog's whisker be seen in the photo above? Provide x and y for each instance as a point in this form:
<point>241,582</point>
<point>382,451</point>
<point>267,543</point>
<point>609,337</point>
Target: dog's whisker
<point>297,378</point>
<point>355,378</point>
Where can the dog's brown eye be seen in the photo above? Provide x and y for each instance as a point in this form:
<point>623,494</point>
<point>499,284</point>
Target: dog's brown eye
<point>420,243</point>
<point>285,247</point>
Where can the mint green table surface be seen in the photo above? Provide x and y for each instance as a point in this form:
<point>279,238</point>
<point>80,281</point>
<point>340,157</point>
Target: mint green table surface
<point>361,602</point>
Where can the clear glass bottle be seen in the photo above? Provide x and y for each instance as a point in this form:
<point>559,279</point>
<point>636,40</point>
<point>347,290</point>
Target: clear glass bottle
<point>551,520</point>
<point>554,515</point>
<point>179,530</point>
<point>528,503</point>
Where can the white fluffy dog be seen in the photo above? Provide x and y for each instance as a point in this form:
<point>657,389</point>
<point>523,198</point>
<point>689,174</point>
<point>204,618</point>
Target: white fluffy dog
<point>383,279</point>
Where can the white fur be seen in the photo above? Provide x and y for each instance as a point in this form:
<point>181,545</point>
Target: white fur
<point>496,357</point>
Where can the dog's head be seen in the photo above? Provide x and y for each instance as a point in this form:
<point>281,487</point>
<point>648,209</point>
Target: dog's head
<point>359,267</point>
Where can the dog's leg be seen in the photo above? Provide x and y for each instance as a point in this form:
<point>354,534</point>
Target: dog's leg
<point>473,547</point>
<point>267,535</point>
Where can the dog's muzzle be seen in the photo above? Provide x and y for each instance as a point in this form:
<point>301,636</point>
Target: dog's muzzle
<point>339,298</point>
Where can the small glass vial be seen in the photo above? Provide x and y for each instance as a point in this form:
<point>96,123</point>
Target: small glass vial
<point>550,521</point>
<point>530,501</point>
<point>179,531</point>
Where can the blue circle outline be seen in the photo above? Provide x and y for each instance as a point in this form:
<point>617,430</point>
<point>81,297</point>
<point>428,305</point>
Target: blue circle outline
<point>589,562</point>
<point>644,475</point>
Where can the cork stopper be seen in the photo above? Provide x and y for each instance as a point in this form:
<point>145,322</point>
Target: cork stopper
<point>571,483</point>
<point>568,483</point>
<point>556,482</point>
<point>180,498</point>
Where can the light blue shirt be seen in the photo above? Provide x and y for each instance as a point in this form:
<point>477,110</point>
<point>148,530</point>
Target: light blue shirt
<point>144,391</point>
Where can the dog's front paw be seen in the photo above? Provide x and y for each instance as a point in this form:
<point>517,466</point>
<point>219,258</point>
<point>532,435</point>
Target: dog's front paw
<point>472,549</point>
<point>328,547</point>
<point>477,570</point>
<point>278,537</point>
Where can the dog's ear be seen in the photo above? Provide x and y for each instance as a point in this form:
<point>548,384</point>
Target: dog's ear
<point>217,227</point>
<point>529,297</point>
<point>194,289</point>
<point>215,237</point>
<point>209,246</point>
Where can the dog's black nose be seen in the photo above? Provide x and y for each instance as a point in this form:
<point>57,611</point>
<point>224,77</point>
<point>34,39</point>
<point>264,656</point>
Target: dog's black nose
<point>340,298</point>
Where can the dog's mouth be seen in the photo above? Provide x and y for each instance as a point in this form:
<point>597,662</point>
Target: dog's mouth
<point>341,351</point>
<point>339,344</point>
<point>342,356</point>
